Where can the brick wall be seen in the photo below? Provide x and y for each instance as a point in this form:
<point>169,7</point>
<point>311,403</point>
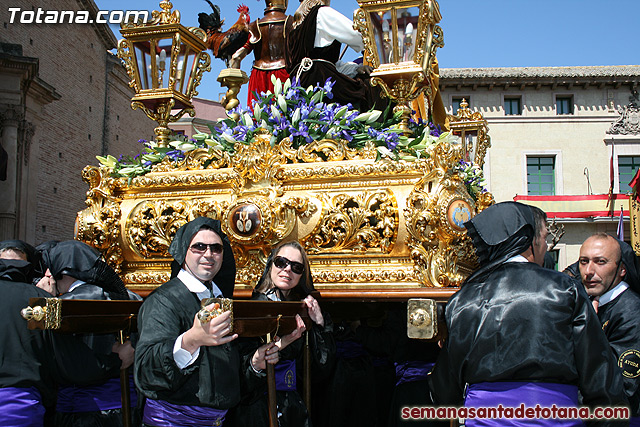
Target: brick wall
<point>93,115</point>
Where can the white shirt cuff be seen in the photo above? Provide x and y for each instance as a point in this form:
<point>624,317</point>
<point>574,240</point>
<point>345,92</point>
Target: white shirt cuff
<point>181,356</point>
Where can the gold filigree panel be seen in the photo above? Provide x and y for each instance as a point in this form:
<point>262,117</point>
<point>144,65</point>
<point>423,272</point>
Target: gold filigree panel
<point>152,224</point>
<point>356,222</point>
<point>99,224</point>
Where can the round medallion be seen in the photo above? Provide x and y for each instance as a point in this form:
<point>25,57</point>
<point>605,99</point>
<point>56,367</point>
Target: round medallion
<point>629,362</point>
<point>245,219</point>
<point>458,212</point>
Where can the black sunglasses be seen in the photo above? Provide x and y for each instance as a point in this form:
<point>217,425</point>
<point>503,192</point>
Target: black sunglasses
<point>200,248</point>
<point>282,262</point>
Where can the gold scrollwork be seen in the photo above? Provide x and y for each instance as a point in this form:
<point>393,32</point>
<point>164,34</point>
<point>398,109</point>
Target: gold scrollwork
<point>435,240</point>
<point>257,162</point>
<point>152,224</point>
<point>204,64</point>
<point>328,150</point>
<point>99,224</point>
<point>125,53</point>
<point>361,23</point>
<point>356,223</point>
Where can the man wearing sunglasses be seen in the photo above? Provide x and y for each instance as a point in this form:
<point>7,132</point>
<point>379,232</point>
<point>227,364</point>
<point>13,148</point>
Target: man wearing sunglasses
<point>190,371</point>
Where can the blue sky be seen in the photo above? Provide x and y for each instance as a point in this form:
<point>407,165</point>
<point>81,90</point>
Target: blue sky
<point>494,33</point>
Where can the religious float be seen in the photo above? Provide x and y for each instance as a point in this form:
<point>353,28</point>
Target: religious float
<point>377,198</point>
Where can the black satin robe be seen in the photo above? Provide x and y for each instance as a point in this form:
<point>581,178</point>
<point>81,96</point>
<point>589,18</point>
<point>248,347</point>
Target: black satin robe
<point>253,410</point>
<point>213,380</point>
<point>620,324</point>
<point>35,358</point>
<point>525,323</point>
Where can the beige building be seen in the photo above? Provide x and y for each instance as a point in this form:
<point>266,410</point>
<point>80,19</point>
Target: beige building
<point>63,100</point>
<point>553,131</point>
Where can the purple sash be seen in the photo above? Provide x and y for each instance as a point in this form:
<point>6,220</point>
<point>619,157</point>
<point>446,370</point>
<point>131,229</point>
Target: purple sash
<point>515,394</point>
<point>349,350</point>
<point>159,413</point>
<point>285,375</point>
<point>21,407</point>
<point>101,397</point>
<point>412,370</point>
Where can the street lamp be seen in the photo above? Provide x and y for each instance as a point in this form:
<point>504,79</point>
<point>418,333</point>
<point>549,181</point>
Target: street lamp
<point>165,61</point>
<point>400,39</point>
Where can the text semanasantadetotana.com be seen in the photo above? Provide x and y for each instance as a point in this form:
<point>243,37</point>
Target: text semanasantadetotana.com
<point>518,412</point>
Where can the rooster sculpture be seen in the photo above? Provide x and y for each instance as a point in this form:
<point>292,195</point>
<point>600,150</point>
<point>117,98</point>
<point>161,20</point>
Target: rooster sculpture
<point>225,44</point>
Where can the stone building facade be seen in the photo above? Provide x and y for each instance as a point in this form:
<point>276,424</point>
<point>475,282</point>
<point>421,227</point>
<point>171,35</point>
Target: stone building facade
<point>558,136</point>
<point>64,98</point>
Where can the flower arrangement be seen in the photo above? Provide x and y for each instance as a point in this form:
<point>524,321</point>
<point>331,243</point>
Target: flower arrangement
<point>473,178</point>
<point>302,115</point>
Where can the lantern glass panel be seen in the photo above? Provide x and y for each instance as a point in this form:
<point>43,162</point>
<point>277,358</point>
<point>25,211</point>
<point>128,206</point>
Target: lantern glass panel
<point>143,61</point>
<point>382,27</point>
<point>188,68</point>
<point>163,59</point>
<point>407,32</point>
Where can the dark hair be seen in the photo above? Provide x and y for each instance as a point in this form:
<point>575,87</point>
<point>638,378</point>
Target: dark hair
<point>304,286</point>
<point>539,220</point>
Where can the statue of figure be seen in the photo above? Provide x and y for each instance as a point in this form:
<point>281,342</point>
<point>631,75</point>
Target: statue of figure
<point>313,39</point>
<point>268,44</point>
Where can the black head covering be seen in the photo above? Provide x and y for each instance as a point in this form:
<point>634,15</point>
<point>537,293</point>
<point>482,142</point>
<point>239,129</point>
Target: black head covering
<point>630,261</point>
<point>499,232</point>
<point>39,265</point>
<point>29,250</point>
<point>226,278</point>
<point>16,270</point>
<point>82,262</point>
<point>304,287</point>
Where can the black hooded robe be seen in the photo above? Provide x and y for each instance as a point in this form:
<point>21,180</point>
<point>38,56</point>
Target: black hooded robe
<point>215,379</point>
<point>619,320</point>
<point>292,410</point>
<point>33,358</point>
<point>83,262</point>
<point>516,321</point>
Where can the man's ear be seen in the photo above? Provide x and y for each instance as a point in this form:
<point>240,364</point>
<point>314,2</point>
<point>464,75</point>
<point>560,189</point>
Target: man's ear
<point>623,271</point>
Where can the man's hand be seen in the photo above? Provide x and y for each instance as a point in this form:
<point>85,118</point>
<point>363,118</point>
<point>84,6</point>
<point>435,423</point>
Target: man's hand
<point>48,283</point>
<point>125,352</point>
<point>215,332</point>
<point>268,353</point>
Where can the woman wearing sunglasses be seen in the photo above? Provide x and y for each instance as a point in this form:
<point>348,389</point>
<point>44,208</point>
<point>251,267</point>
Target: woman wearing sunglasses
<point>287,277</point>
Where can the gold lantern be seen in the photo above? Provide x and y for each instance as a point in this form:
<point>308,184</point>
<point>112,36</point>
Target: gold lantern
<point>473,131</point>
<point>400,39</point>
<point>165,61</point>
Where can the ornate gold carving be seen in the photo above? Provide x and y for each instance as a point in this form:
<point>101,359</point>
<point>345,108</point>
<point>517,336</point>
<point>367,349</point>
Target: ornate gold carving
<point>99,224</point>
<point>50,313</point>
<point>362,275</point>
<point>125,53</point>
<point>165,16</point>
<point>152,224</point>
<point>362,24</point>
<point>326,150</point>
<point>435,241</point>
<point>473,124</point>
<point>356,223</point>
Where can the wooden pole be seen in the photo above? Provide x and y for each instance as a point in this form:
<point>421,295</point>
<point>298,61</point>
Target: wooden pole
<point>307,372</point>
<point>271,392</point>
<point>124,390</point>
